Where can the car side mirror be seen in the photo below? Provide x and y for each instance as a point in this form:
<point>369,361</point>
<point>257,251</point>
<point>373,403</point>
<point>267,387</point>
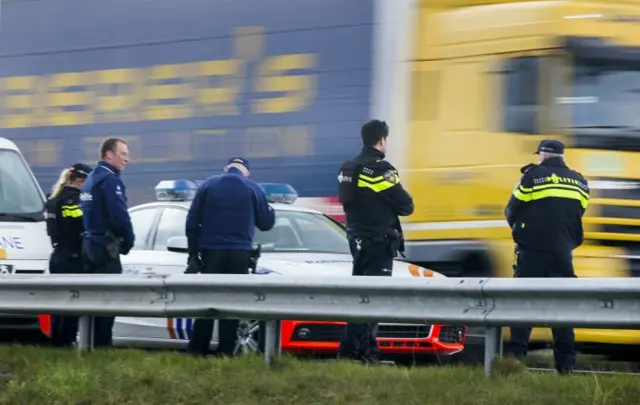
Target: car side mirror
<point>177,244</point>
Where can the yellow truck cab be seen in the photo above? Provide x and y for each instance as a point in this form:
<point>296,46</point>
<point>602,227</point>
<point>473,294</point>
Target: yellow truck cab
<point>487,83</point>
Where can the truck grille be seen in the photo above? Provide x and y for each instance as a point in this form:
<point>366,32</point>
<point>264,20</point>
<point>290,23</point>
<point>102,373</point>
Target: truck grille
<point>333,333</point>
<point>615,214</point>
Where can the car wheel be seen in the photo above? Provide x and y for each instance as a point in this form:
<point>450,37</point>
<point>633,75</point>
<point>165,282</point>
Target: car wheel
<point>248,337</point>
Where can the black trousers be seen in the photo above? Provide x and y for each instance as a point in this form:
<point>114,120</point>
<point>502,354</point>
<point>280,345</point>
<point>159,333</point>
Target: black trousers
<point>370,258</point>
<point>96,260</point>
<point>64,328</point>
<point>534,264</point>
<point>219,262</point>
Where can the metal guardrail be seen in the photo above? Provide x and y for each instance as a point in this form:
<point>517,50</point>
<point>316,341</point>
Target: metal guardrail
<point>604,303</point>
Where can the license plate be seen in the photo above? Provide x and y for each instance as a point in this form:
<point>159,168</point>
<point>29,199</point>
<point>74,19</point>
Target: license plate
<point>6,269</point>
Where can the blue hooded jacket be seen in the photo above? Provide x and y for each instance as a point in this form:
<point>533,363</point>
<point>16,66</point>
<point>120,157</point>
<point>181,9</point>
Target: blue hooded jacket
<point>104,205</point>
<point>225,212</point>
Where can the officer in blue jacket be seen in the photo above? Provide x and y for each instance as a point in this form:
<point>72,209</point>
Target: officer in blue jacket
<point>220,227</point>
<point>108,230</point>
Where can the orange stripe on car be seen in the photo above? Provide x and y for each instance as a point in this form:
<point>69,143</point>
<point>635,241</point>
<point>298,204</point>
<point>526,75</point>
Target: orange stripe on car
<point>415,271</point>
<point>171,329</point>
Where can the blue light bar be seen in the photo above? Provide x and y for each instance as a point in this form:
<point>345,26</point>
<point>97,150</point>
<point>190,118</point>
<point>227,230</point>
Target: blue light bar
<point>176,190</point>
<point>279,193</point>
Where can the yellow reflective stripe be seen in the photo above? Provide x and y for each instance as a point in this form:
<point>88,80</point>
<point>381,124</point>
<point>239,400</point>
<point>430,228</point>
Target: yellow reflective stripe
<point>377,184</point>
<point>377,187</point>
<point>381,185</point>
<point>558,192</point>
<point>71,211</point>
<point>370,179</point>
<point>546,186</point>
<point>522,196</point>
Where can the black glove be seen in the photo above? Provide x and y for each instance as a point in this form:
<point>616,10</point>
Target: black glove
<point>125,248</point>
<point>194,264</point>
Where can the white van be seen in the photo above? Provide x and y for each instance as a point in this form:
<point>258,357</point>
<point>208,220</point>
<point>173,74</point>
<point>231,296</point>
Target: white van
<point>24,244</point>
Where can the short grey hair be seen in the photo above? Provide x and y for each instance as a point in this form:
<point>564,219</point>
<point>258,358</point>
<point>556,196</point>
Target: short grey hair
<point>238,166</point>
<point>547,155</point>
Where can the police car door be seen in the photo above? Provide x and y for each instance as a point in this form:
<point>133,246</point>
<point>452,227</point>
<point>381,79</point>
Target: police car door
<point>133,330</point>
<point>156,259</point>
<point>171,227</point>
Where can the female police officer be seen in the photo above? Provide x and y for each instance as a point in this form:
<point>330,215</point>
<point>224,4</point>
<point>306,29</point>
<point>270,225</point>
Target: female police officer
<point>65,228</point>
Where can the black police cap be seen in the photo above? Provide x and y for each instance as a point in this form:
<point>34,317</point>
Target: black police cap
<point>81,170</point>
<point>550,146</point>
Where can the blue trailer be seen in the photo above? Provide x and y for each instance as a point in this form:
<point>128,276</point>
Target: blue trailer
<point>188,83</point>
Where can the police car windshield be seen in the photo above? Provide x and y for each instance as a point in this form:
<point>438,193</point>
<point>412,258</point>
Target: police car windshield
<point>20,197</point>
<point>303,232</point>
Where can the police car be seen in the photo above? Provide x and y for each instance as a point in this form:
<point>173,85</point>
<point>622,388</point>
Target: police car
<point>303,243</point>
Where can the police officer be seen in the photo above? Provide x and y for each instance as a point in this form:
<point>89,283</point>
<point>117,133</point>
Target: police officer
<point>372,198</point>
<point>64,227</point>
<point>545,215</point>
<point>220,227</point>
<point>108,229</point>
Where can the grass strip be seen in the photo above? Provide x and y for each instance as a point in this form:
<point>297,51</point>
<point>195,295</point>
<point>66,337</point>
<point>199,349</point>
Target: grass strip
<point>39,376</point>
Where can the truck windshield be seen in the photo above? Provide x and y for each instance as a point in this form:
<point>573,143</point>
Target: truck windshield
<point>20,197</point>
<point>606,97</point>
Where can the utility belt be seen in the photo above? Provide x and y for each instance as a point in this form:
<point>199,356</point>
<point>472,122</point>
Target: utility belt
<point>71,252</point>
<point>393,239</point>
<point>396,240</point>
<point>111,242</point>
<point>195,264</point>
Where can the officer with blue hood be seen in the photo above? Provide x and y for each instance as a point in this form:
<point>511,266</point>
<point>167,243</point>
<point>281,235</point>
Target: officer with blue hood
<point>108,229</point>
<point>220,227</point>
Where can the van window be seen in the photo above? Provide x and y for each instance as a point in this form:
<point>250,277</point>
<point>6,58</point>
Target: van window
<point>521,102</point>
<point>19,193</point>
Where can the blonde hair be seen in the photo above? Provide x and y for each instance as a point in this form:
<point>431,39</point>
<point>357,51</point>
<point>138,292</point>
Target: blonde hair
<point>64,178</point>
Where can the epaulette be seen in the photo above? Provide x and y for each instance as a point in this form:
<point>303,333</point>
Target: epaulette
<point>384,163</point>
<point>528,167</point>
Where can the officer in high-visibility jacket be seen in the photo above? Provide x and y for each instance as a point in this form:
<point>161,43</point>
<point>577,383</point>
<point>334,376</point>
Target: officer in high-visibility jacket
<point>64,227</point>
<point>373,198</point>
<point>545,215</point>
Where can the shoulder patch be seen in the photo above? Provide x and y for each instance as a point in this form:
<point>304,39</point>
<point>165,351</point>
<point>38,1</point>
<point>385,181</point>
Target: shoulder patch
<point>391,176</point>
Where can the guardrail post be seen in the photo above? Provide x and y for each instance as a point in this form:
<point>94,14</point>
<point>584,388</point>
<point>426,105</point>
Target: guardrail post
<point>492,346</point>
<point>85,333</point>
<point>272,342</point>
